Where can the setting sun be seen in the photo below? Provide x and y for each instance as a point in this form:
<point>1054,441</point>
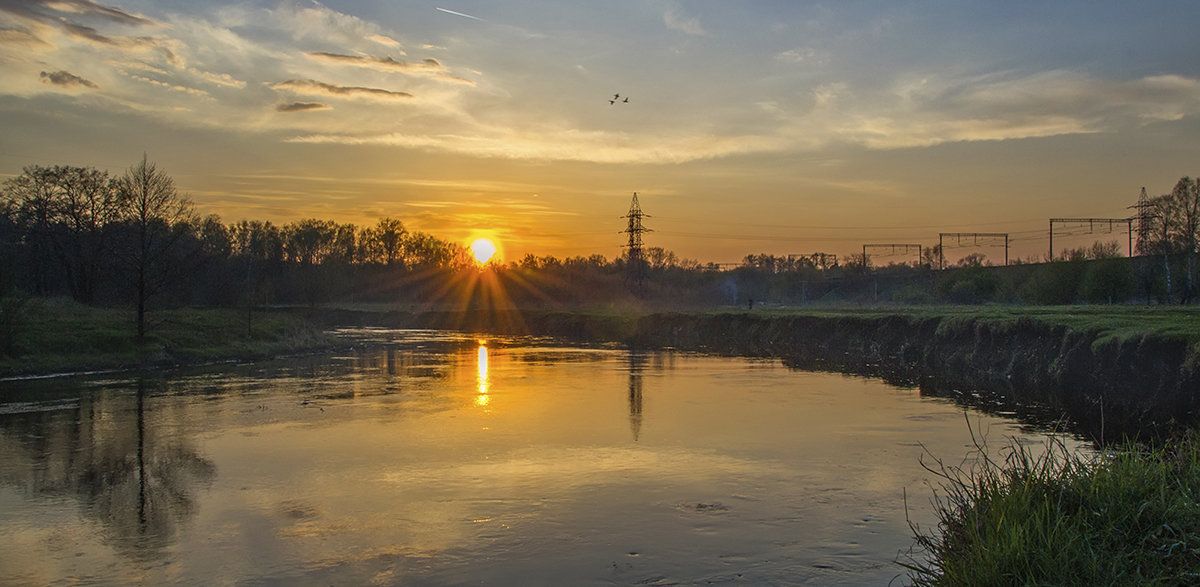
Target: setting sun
<point>483,250</point>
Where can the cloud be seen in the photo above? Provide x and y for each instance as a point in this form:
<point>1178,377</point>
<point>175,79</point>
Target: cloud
<point>86,32</point>
<point>22,37</point>
<point>566,145</point>
<point>321,88</point>
<point>48,14</point>
<point>1003,106</point>
<point>86,7</point>
<point>386,41</point>
<point>676,22</point>
<point>380,63</point>
<point>798,55</point>
<point>301,107</point>
<point>66,80</point>
<point>220,79</point>
<point>427,67</point>
<point>169,86</point>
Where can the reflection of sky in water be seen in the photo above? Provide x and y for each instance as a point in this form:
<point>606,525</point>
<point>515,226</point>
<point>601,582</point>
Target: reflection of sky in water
<point>444,460</point>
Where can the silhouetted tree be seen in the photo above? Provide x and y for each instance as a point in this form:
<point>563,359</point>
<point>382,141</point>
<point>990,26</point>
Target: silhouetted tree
<point>67,212</point>
<point>1185,202</point>
<point>384,242</point>
<point>157,223</point>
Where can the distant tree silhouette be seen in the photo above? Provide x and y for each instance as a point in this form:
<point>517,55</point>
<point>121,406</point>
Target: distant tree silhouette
<point>1185,201</point>
<point>384,242</point>
<point>67,212</point>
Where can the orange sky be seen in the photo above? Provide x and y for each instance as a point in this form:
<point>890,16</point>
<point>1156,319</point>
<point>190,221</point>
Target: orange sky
<point>776,127</point>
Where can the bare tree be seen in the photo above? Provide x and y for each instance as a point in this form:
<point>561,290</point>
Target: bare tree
<point>66,211</point>
<point>157,222</point>
<point>1185,201</point>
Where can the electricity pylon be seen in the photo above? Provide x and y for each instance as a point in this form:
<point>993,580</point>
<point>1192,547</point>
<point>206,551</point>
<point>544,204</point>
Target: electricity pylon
<point>635,259</point>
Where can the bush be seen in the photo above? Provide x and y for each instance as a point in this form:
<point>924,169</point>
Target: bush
<point>14,315</point>
<point>973,285</point>
<point>1056,283</point>
<point>1109,281</point>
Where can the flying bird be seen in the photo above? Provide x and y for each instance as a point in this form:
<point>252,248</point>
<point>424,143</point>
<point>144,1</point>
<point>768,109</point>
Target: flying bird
<point>626,100</point>
<point>462,14</point>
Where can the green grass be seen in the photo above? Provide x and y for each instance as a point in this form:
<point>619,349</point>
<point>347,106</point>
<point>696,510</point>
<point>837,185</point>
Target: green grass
<point>54,336</point>
<point>1126,516</point>
<point>1106,322</point>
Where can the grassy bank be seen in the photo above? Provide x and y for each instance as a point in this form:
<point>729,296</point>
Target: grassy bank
<point>1127,516</point>
<point>1106,321</point>
<point>55,336</point>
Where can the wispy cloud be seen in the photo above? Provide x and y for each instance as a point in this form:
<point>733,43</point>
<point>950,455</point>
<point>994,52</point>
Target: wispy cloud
<point>427,67</point>
<point>386,41</point>
<point>568,145</point>
<point>86,7</point>
<point>301,107</point>
<point>678,22</point>
<point>22,37</point>
<point>1006,106</point>
<point>66,79</point>
<point>315,87</point>
<point>51,10</point>
<point>799,55</point>
<point>170,86</point>
<point>381,63</point>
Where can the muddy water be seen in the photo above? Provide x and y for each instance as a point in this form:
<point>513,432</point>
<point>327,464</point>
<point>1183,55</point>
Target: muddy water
<point>431,458</point>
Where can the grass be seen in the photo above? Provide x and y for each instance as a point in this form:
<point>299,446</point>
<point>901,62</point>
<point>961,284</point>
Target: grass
<point>54,336</point>
<point>1126,516</point>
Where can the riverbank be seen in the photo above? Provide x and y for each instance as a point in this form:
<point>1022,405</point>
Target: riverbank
<point>1125,516</point>
<point>59,336</point>
<point>1117,370</point>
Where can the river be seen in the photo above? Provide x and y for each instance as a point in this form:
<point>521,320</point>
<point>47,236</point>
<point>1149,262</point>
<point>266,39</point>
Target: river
<point>435,458</point>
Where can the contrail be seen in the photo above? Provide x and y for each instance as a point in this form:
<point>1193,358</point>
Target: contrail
<point>461,14</point>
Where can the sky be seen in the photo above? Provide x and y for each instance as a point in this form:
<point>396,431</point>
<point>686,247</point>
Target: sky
<point>781,127</point>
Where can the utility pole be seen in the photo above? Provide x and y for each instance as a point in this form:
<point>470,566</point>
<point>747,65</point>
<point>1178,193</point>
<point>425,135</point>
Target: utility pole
<point>972,235</point>
<point>896,248</point>
<point>1092,223</point>
<point>635,266</point>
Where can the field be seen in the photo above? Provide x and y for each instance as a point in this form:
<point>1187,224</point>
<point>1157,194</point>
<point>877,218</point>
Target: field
<point>42,336</point>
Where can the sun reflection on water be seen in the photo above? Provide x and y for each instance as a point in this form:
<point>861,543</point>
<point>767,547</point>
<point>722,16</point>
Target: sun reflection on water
<point>481,398</point>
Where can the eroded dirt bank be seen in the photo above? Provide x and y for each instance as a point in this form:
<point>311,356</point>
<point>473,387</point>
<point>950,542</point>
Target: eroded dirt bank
<point>1133,385</point>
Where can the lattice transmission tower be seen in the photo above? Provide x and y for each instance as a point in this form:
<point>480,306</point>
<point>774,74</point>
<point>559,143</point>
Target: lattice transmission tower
<point>635,266</point>
<point>1145,221</point>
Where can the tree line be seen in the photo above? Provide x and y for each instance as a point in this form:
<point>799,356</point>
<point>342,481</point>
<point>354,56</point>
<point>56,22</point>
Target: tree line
<point>132,239</point>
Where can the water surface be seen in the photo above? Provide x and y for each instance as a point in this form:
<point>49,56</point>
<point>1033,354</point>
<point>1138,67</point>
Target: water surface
<point>434,458</point>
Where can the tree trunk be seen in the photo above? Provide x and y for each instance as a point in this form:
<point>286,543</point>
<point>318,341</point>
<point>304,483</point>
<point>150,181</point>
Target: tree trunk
<point>141,306</point>
<point>1187,290</point>
<point>1167,270</point>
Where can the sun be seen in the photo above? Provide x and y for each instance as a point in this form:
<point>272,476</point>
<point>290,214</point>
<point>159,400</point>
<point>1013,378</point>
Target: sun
<point>483,249</point>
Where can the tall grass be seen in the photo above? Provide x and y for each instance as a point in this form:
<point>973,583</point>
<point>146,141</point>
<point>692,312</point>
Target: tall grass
<point>1125,516</point>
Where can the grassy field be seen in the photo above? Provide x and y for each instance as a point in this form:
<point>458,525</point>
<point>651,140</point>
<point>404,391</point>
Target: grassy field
<point>54,336</point>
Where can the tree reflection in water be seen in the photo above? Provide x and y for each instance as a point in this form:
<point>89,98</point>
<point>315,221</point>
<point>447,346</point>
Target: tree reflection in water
<point>123,462</point>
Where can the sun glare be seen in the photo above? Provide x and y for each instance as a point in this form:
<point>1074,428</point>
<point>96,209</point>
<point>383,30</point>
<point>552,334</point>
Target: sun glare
<point>483,249</point>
